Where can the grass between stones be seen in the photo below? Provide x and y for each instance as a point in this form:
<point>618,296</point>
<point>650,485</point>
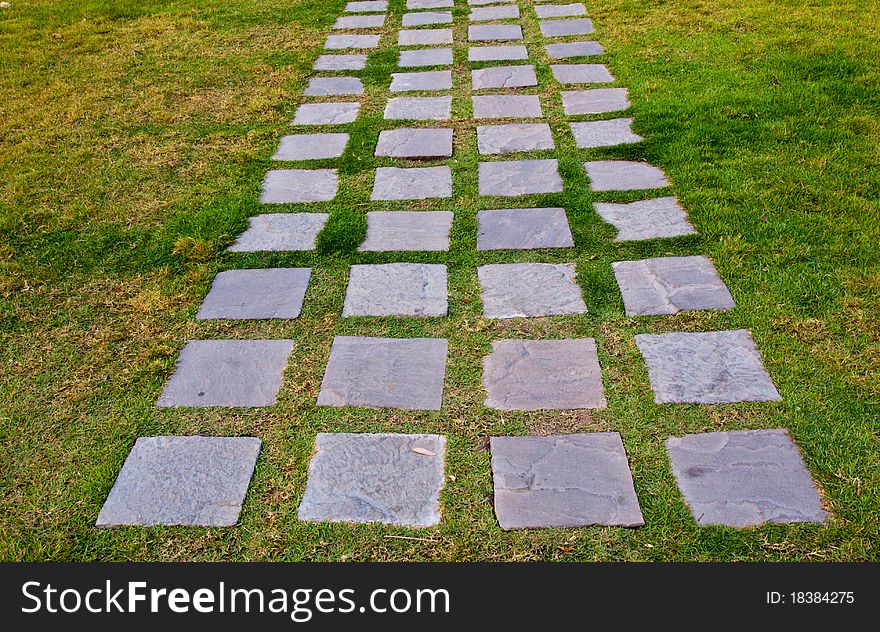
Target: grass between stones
<point>135,137</point>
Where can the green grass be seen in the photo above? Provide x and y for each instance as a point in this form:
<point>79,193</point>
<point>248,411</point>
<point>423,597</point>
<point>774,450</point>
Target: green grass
<point>133,147</point>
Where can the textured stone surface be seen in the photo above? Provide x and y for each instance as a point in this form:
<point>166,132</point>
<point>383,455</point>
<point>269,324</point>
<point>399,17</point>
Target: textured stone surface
<point>192,481</point>
<point>519,177</point>
<point>407,231</point>
<point>560,10</point>
<point>475,3</point>
<point>514,137</point>
<point>574,49</point>
<point>396,289</point>
<point>523,228</point>
<point>424,37</point>
<point>232,373</point>
<point>425,57</point>
<point>581,73</point>
<point>341,42</point>
<point>576,26</point>
<point>485,14</point>
<point>430,80</point>
<point>646,219</point>
<point>502,52</point>
<point>326,113</point>
<point>359,21</point>
<point>367,6</point>
<point>710,367</point>
<point>375,478</point>
<point>340,62</point>
<point>282,186</point>
<point>668,285</point>
<point>311,146</point>
<point>281,231</point>
<point>427,17</point>
<point>415,143</point>
<point>624,175</point>
<point>405,373</point>
<point>744,478</point>
<point>518,290</point>
<point>419,183</point>
<point>503,77</point>
<point>419,108</point>
<point>604,133</point>
<point>256,294</point>
<point>563,481</point>
<point>543,375</point>
<point>507,106</point>
<point>327,86</point>
<point>494,32</point>
<point>596,101</point>
<point>430,4</point>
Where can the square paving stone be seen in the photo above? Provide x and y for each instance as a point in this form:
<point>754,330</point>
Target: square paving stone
<point>744,478</point>
<point>475,3</point>
<point>311,146</point>
<point>503,52</point>
<point>668,285</point>
<point>560,10</point>
<point>523,229</point>
<point>326,113</point>
<point>519,177</point>
<point>543,375</point>
<point>230,373</point>
<point>430,4</point>
<point>515,137</point>
<point>415,143</point>
<point>189,481</point>
<point>521,290</point>
<point>417,183</point>
<point>604,133</point>
<point>413,81</point>
<point>574,49</point>
<point>326,86</point>
<point>624,175</point>
<point>485,14</point>
<point>340,62</point>
<point>712,367</point>
<point>563,481</point>
<point>556,28</point>
<point>387,478</point>
<point>280,232</point>
<point>507,106</point>
<point>342,42</point>
<point>256,294</point>
<point>367,6</point>
<point>396,289</point>
<point>494,33</point>
<point>425,57</point>
<point>424,37</point>
<point>646,219</point>
<point>405,373</point>
<point>427,17</point>
<point>581,73</point>
<point>419,108</point>
<point>283,186</point>
<point>596,101</point>
<point>503,77</point>
<point>359,21</point>
<point>407,231</point>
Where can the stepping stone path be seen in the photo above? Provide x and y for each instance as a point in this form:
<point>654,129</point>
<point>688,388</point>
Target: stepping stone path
<point>425,57</point>
<point>560,10</point>
<point>324,86</point>
<point>624,175</point>
<point>311,146</point>
<point>486,14</point>
<point>519,177</point>
<point>340,62</point>
<point>523,229</point>
<point>503,52</point>
<point>520,290</point>
<point>508,139</point>
<point>286,186</point>
<point>419,183</point>
<point>604,133</point>
<point>573,49</point>
<point>415,143</point>
<point>504,77</point>
<point>581,73</point>
<point>425,37</point>
<point>647,219</point>
<point>506,106</point>
<point>256,294</point>
<point>556,28</point>
<point>494,33</point>
<point>407,230</point>
<point>595,101</point>
<point>281,232</point>
<point>396,289</point>
<point>414,81</point>
<point>419,108</point>
<point>326,113</point>
<point>427,18</point>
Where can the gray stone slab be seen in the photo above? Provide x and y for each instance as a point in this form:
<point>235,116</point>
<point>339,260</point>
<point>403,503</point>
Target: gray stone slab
<point>417,81</point>
<point>282,186</point>
<point>668,285</point>
<point>396,289</point>
<point>418,183</point>
<point>519,177</point>
<point>646,219</point>
<point>574,49</point>
<point>281,232</point>
<point>563,481</point>
<point>604,133</point>
<point>327,86</point>
<point>502,52</point>
<point>367,6</point>
<point>407,231</point>
<point>521,290</point>
<point>189,481</point>
<point>543,375</point>
<point>744,478</point>
<point>342,42</point>
<point>419,108</point>
<point>359,21</point>
<point>410,142</point>
<point>430,4</point>
<point>387,478</point>
<point>507,106</point>
<point>326,113</point>
<point>624,175</point>
<point>340,62</point>
<point>426,18</point>
<point>596,101</point>
<point>404,373</point>
<point>581,73</point>
<point>494,33</point>
<point>514,137</point>
<point>256,294</point>
<point>486,14</point>
<point>503,77</point>
<point>475,3</point>
<point>229,373</point>
<point>560,10</point>
<point>557,28</point>
<point>424,37</point>
<point>523,229</point>
<point>311,146</point>
<point>712,367</point>
<point>425,57</point>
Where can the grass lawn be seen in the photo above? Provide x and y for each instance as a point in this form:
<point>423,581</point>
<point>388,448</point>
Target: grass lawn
<point>134,136</point>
